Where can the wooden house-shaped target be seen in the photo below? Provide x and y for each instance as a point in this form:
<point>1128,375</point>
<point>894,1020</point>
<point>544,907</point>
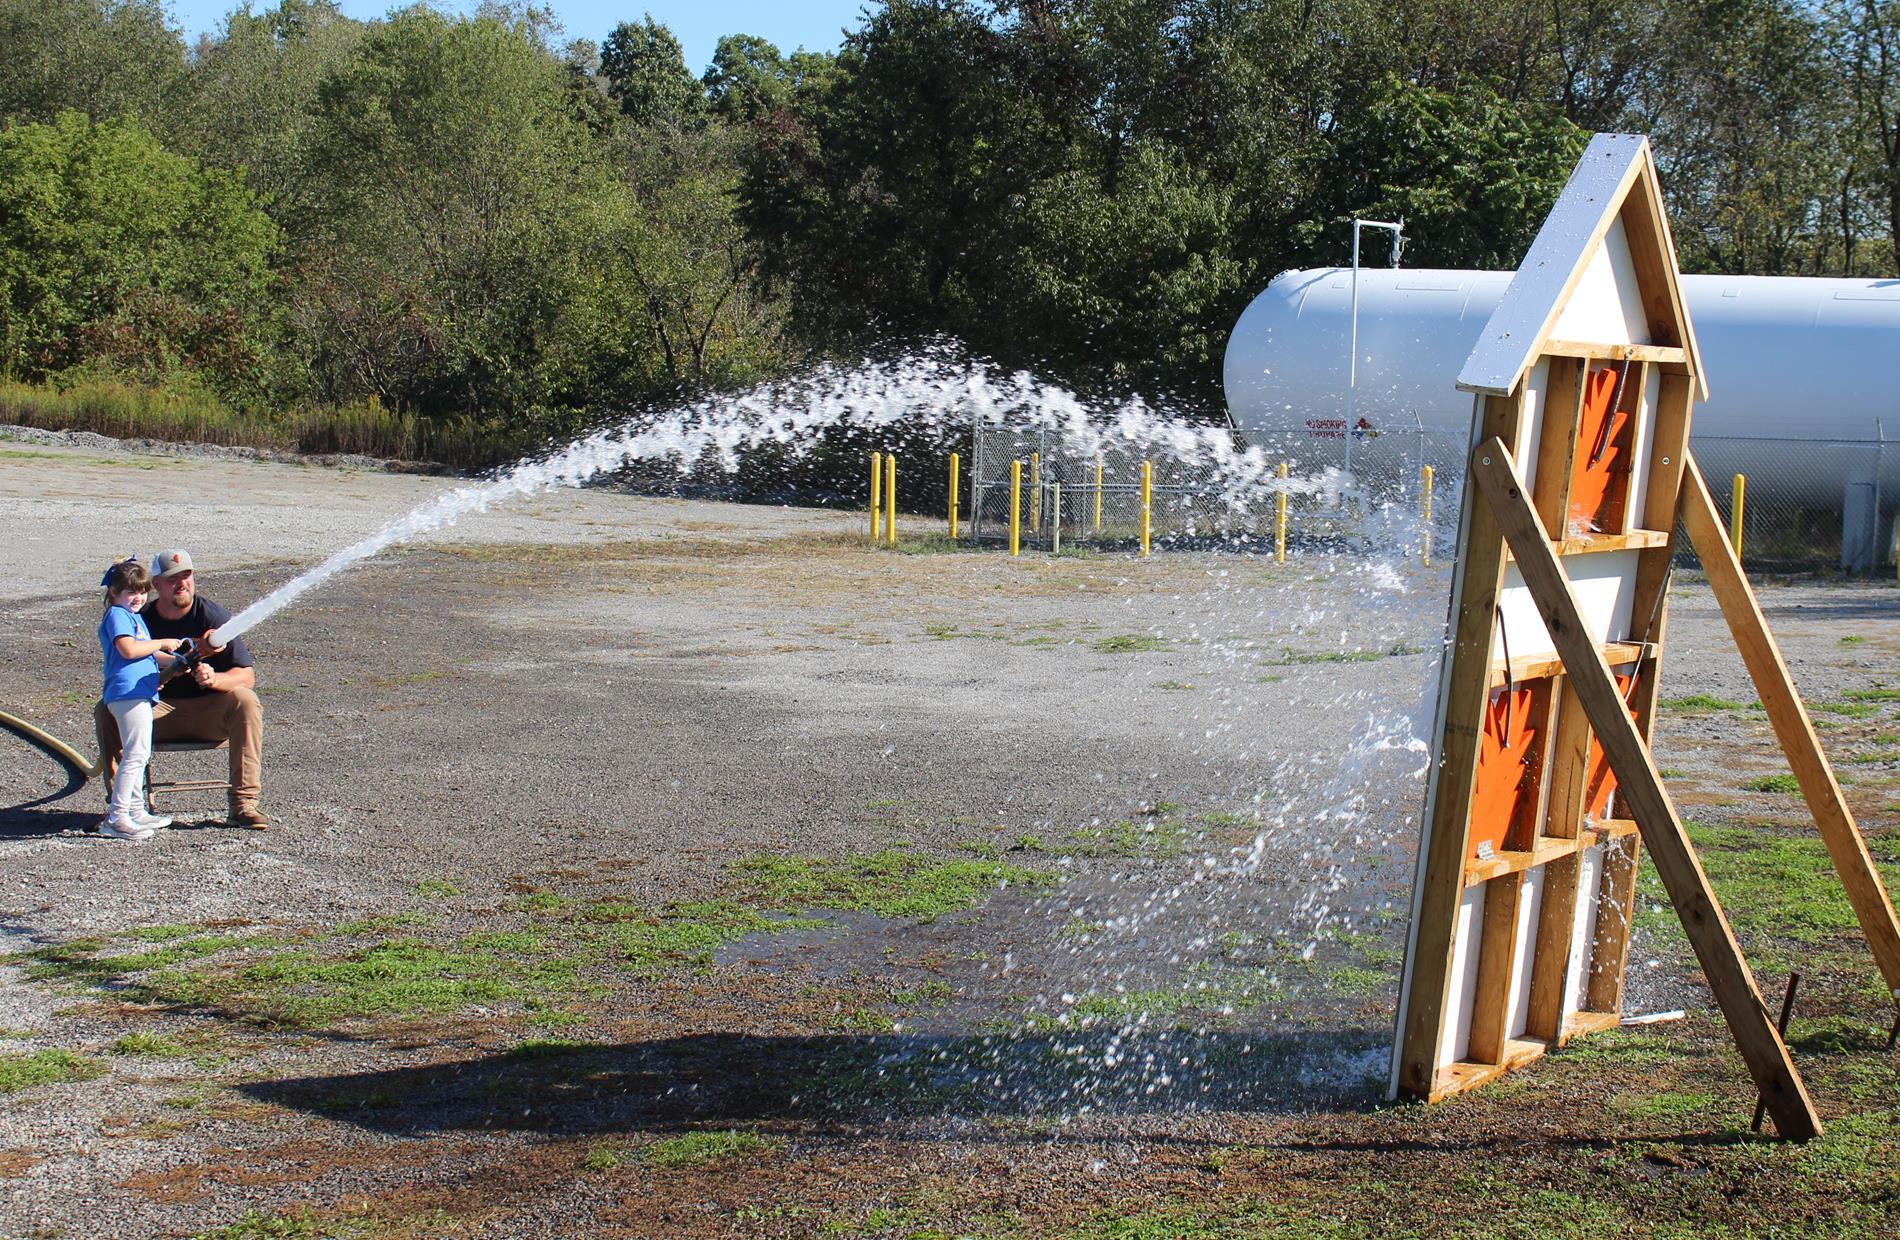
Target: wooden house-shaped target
<point>1543,786</point>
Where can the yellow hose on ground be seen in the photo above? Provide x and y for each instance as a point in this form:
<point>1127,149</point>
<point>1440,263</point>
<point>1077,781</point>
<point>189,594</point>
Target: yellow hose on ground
<point>89,768</point>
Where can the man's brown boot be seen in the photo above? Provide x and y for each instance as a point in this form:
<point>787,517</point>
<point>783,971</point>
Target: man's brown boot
<point>250,818</point>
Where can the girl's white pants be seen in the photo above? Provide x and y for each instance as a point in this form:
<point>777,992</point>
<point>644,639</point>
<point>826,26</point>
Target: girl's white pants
<point>135,750</point>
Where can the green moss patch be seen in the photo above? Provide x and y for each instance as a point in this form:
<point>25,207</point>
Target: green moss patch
<point>892,883</point>
<point>694,1148</point>
<point>1699,702</point>
<point>48,1067</point>
<point>1129,643</point>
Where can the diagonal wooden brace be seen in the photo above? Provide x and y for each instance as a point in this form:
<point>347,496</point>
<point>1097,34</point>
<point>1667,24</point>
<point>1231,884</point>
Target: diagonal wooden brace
<point>1642,791</point>
<point>1845,844</point>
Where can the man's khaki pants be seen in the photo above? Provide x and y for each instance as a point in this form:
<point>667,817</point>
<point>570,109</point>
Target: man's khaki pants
<point>234,716</point>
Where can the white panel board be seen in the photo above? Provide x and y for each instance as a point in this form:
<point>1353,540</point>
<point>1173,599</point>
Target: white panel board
<point>1606,307</point>
<point>1583,933</point>
<point>1454,1040</point>
<point>1605,586</point>
<point>1536,391</point>
<point>1639,475</point>
<point>1528,908</point>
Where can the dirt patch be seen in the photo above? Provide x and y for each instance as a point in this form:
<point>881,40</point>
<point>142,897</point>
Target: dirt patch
<point>996,897</point>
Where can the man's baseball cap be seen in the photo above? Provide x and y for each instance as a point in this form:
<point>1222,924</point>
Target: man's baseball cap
<point>171,563</point>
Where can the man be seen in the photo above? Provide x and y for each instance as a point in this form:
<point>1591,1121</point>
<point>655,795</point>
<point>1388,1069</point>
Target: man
<point>215,701</point>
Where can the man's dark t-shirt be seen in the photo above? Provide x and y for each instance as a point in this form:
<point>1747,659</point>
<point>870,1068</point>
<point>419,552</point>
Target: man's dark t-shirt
<point>203,615</point>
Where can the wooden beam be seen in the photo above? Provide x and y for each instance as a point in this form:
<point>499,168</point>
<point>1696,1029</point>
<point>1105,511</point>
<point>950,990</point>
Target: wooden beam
<point>1610,944</point>
<point>1646,798</point>
<point>1497,960</point>
<point>1793,728</point>
<point>1550,957</point>
<point>1466,687</point>
<point>1538,666</point>
<point>1593,351</point>
<point>1557,445</point>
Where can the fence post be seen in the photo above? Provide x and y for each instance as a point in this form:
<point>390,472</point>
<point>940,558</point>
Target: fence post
<point>1098,494</point>
<point>1147,502</point>
<point>1015,507</point>
<point>1425,514</point>
<point>1035,492</point>
<point>1279,517</point>
<point>890,499</point>
<point>1055,529</point>
<point>954,462</point>
<point>1738,497</point>
<point>877,493</point>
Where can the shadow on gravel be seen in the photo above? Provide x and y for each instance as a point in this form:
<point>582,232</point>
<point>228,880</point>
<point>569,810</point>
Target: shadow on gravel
<point>721,1078</point>
<point>25,821</point>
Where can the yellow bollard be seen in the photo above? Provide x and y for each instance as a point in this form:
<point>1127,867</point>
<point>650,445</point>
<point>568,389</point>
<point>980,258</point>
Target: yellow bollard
<point>1055,530</point>
<point>1098,493</point>
<point>1425,514</point>
<point>877,484</point>
<point>1035,492</point>
<point>890,499</point>
<point>1738,496</point>
<point>1279,519</point>
<point>1015,507</point>
<point>1147,503</point>
<point>954,462</point>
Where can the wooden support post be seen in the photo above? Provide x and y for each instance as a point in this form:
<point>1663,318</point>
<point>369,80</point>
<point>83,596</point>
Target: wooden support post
<point>1610,947</point>
<point>1728,974</point>
<point>1793,729</point>
<point>1497,960</point>
<point>1476,582</point>
<point>1424,515</point>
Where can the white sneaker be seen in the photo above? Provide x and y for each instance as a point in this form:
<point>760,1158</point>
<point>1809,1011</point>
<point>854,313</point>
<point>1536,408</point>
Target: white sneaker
<point>146,818</point>
<point>124,829</point>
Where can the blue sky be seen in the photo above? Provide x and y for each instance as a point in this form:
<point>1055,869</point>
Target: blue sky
<point>698,24</point>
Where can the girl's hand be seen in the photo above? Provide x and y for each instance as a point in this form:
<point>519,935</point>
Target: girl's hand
<point>169,644</point>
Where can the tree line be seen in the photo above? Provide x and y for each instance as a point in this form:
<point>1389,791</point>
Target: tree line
<point>474,220</point>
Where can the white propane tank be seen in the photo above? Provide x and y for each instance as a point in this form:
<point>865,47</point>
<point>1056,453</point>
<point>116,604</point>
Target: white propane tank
<point>1791,363</point>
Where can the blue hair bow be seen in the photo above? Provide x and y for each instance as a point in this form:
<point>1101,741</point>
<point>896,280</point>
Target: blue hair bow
<point>113,567</point>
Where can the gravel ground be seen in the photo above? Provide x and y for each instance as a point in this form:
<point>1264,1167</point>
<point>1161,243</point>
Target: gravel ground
<point>612,697</point>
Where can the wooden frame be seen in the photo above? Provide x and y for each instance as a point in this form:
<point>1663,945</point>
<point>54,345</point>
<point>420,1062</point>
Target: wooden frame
<point>1587,371</point>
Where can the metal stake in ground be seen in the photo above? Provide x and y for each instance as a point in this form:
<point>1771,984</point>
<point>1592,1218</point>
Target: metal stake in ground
<point>1781,1026</point>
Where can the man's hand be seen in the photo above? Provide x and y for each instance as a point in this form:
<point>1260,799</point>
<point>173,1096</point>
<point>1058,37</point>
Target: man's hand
<point>202,673</point>
<point>205,646</point>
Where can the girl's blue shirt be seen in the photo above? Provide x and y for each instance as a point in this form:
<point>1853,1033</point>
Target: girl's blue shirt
<point>126,679</point>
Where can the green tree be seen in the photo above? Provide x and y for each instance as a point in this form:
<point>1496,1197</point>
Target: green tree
<point>1472,175</point>
<point>119,254</point>
<point>101,57</point>
<point>250,99</point>
<point>646,74</point>
<point>1120,287</point>
<point>1864,43</point>
<point>455,181</point>
<point>1740,110</point>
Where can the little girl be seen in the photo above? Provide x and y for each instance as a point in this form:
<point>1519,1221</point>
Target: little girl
<point>131,686</point>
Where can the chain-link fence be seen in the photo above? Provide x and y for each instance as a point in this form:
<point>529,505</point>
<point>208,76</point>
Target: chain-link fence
<point>1808,504</point>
